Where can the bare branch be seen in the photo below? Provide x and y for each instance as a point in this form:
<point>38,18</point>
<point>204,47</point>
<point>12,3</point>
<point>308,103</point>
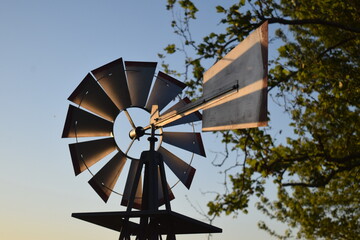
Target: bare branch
<point>201,212</point>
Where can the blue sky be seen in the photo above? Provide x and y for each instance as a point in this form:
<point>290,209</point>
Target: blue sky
<point>46,49</point>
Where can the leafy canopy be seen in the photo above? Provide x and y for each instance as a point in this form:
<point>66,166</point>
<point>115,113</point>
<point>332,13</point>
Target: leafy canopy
<point>315,79</point>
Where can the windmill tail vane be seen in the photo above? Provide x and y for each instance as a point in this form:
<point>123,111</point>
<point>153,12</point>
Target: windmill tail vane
<point>234,96</point>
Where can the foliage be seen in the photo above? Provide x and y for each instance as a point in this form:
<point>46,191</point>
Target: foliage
<point>315,79</point>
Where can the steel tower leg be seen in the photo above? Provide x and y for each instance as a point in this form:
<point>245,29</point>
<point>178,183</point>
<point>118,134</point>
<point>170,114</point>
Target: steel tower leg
<point>153,162</point>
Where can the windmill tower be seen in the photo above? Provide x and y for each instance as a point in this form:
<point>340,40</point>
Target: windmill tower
<point>235,96</point>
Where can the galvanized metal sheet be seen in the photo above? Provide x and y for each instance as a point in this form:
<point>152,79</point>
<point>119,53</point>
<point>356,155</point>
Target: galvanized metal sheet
<point>165,89</point>
<point>181,169</point>
<point>253,113</point>
<point>92,97</point>
<point>80,123</point>
<point>140,76</point>
<point>246,66</point>
<point>193,117</point>
<point>86,154</point>
<point>189,141</point>
<point>129,185</point>
<point>113,79</point>
<point>104,180</point>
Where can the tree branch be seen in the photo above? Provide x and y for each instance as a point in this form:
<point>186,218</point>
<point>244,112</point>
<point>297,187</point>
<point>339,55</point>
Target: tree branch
<point>324,180</point>
<point>311,21</point>
<point>335,46</point>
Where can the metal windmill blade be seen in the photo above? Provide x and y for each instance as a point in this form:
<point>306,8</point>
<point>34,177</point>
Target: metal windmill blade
<point>103,95</point>
<point>193,117</point>
<point>130,181</point>
<point>92,97</point>
<point>112,79</point>
<point>140,76</point>
<point>181,169</point>
<point>104,181</point>
<point>166,88</point>
<point>188,141</point>
<point>80,123</point>
<point>86,154</point>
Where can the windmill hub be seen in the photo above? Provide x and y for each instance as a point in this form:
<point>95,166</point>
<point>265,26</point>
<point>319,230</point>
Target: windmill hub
<point>136,133</point>
<point>129,136</point>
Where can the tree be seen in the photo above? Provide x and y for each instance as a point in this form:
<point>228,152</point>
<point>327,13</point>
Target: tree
<point>315,79</point>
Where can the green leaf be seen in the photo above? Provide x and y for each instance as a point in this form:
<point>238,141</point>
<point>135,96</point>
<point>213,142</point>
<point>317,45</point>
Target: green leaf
<point>171,48</point>
<point>220,9</point>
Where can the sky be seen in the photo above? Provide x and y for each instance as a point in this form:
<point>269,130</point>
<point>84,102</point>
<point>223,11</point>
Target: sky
<point>46,49</point>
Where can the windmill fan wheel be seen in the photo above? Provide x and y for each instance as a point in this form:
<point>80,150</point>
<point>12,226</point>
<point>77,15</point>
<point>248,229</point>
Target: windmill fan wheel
<point>113,91</point>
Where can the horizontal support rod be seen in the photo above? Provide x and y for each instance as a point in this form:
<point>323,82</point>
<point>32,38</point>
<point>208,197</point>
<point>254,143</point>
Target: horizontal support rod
<point>201,103</point>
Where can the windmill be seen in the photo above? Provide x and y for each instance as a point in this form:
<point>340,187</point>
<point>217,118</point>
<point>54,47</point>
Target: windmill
<point>234,97</point>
